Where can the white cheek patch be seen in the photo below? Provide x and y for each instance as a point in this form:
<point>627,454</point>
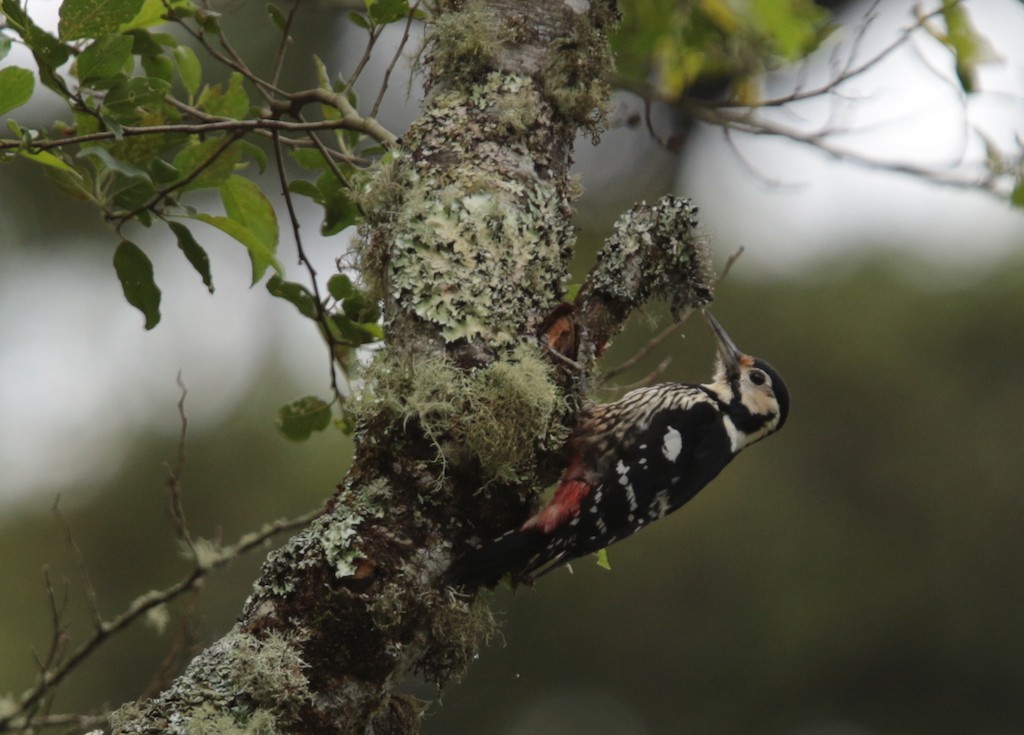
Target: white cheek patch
<point>737,440</point>
<point>672,444</point>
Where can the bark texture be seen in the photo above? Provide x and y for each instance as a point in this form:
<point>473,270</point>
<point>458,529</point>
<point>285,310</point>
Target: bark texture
<point>467,245</point>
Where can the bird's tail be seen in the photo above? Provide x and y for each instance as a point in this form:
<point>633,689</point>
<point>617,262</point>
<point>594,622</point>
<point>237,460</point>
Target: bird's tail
<point>518,552</point>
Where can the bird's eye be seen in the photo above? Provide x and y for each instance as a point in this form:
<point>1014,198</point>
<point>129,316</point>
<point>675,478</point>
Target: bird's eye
<point>757,377</point>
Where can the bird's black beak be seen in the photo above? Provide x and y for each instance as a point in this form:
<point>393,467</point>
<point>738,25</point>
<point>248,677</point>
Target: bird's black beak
<point>729,353</point>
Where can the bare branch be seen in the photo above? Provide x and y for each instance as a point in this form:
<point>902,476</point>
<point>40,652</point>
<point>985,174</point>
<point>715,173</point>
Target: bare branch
<point>76,723</point>
<point>664,334</point>
<point>321,314</point>
<point>282,48</point>
<point>394,59</point>
<point>83,568</point>
<point>106,629</point>
<point>174,496</point>
<point>259,124</point>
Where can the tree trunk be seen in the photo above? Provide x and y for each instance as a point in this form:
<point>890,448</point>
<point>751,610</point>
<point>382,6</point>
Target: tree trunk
<point>467,244</point>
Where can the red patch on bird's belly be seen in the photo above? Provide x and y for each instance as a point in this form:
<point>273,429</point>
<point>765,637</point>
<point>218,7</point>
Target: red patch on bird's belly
<point>563,507</point>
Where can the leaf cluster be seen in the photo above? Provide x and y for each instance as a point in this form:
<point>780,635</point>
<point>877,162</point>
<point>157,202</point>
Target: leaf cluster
<point>155,124</point>
<point>680,46</point>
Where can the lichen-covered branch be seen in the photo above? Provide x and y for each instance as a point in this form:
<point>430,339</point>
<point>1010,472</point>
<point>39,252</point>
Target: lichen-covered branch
<point>467,243</point>
<point>656,251</point>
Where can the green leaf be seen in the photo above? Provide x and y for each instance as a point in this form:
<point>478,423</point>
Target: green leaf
<point>323,77</point>
<point>309,158</point>
<point>5,47</point>
<point>794,26</point>
<point>969,47</point>
<point>232,103</point>
<point>305,188</point>
<point>165,39</point>
<point>163,173</point>
<point>339,209</point>
<point>359,19</point>
<point>261,257</point>
<point>48,159</point>
<point>189,69</point>
<point>144,43</point>
<point>346,331</point>
<point>47,50</point>
<point>158,67</point>
<point>95,18</point>
<point>295,293</point>
<point>1017,195</point>
<point>135,271</point>
<point>126,101</point>
<point>192,157</point>
<point>150,13</point>
<point>16,85</point>
<point>193,252</point>
<point>340,286</point>
<point>251,221</point>
<point>156,12</point>
<point>105,59</point>
<point>300,418</point>
<point>245,202</point>
<point>387,11</point>
<point>277,15</point>
<point>105,160</point>
<point>602,559</point>
<point>255,153</point>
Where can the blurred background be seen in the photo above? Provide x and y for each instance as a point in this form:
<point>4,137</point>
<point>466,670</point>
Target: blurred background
<point>859,573</point>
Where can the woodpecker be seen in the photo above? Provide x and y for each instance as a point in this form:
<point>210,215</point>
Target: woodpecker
<point>634,461</point>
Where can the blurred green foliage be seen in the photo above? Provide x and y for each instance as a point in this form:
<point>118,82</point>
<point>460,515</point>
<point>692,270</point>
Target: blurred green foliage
<point>673,45</point>
<point>859,572</point>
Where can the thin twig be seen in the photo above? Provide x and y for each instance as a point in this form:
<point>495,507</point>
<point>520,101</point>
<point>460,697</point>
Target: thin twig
<point>77,723</point>
<point>174,494</point>
<point>286,38</point>
<point>649,378</point>
<point>644,351</point>
<point>233,61</point>
<point>83,568</point>
<point>168,190</point>
<point>729,264</point>
<point>321,314</point>
<point>394,59</point>
<point>374,32</point>
<point>143,604</point>
<point>664,334</point>
<point>258,124</point>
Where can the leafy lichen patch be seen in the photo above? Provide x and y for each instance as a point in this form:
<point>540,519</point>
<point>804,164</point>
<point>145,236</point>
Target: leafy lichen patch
<point>656,250</point>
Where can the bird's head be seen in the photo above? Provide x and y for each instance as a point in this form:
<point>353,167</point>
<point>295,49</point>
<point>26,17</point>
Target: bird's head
<point>755,396</point>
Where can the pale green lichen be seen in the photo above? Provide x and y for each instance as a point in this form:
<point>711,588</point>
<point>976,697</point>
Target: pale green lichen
<point>475,257</point>
<point>336,539</point>
<point>241,685</point>
<point>477,250</point>
<point>576,83</point>
<point>498,416</point>
<point>462,44</point>
<point>656,250</point>
<point>209,721</point>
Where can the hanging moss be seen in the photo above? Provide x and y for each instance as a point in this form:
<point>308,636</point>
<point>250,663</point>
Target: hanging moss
<point>498,417</point>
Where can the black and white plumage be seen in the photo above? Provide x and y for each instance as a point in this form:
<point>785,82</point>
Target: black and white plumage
<point>634,461</point>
